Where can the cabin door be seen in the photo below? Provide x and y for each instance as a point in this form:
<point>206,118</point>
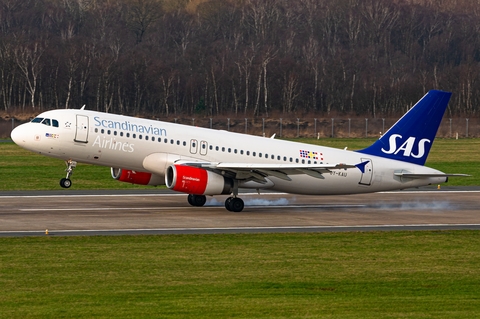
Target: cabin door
<point>81,135</point>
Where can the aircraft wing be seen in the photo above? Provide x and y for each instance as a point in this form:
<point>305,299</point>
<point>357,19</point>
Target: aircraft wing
<point>258,172</point>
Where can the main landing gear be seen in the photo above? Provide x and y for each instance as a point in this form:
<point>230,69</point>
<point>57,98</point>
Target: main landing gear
<point>232,204</point>
<point>197,200</point>
<point>66,182</point>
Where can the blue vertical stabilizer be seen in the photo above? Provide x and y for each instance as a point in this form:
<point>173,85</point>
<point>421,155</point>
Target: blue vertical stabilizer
<point>411,138</point>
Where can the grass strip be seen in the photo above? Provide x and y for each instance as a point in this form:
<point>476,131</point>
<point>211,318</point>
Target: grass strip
<point>323,275</point>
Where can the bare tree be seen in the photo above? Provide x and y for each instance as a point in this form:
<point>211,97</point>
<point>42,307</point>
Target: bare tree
<point>28,60</point>
<point>7,74</point>
<point>140,16</point>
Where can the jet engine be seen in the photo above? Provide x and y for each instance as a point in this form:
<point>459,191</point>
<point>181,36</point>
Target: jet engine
<point>136,177</point>
<point>196,181</point>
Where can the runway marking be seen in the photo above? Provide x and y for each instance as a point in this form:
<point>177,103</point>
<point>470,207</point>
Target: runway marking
<point>183,207</point>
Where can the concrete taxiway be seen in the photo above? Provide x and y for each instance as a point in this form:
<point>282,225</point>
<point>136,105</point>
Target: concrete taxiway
<point>163,212</point>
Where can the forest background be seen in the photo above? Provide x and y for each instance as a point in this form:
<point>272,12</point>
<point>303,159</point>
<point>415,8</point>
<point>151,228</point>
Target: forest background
<point>261,58</point>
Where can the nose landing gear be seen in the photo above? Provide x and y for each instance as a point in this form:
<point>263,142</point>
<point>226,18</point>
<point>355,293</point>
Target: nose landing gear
<point>66,182</point>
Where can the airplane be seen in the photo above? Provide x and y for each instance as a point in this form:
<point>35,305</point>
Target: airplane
<point>201,162</point>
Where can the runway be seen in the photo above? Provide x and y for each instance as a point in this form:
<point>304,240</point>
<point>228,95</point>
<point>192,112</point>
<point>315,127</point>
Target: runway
<point>163,212</point>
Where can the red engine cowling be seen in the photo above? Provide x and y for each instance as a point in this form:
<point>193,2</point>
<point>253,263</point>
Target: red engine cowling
<point>136,177</point>
<point>196,181</point>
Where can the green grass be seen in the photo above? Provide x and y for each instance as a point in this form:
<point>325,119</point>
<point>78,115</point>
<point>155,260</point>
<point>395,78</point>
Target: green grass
<point>24,170</point>
<point>324,275</point>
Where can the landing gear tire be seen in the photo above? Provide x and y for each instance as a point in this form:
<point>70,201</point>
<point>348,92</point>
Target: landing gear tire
<point>234,204</point>
<point>65,183</point>
<point>197,200</point>
<point>227,203</point>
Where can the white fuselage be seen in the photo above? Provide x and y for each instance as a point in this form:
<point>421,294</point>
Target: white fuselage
<point>150,146</point>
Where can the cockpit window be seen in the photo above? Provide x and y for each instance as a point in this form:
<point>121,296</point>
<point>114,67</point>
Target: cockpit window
<point>45,121</point>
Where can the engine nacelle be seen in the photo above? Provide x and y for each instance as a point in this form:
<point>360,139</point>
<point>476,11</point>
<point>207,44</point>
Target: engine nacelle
<point>196,181</point>
<point>136,177</point>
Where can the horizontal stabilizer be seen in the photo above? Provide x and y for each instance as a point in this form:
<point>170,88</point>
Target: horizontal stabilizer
<point>411,175</point>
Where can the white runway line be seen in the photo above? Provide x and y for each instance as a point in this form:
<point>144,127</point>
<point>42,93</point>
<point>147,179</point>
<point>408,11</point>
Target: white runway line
<point>180,208</point>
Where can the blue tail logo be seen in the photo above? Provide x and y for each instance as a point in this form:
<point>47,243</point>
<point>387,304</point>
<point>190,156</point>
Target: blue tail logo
<point>411,138</point>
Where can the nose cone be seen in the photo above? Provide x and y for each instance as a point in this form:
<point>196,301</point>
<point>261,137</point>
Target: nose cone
<point>19,135</point>
<point>15,135</point>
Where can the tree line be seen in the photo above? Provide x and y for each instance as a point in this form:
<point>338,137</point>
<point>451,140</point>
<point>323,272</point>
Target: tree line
<point>238,57</point>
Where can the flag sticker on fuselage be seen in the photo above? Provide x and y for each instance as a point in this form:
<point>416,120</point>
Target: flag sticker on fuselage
<point>311,155</point>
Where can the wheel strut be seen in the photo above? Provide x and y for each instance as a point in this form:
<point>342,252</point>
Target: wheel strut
<point>66,182</point>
